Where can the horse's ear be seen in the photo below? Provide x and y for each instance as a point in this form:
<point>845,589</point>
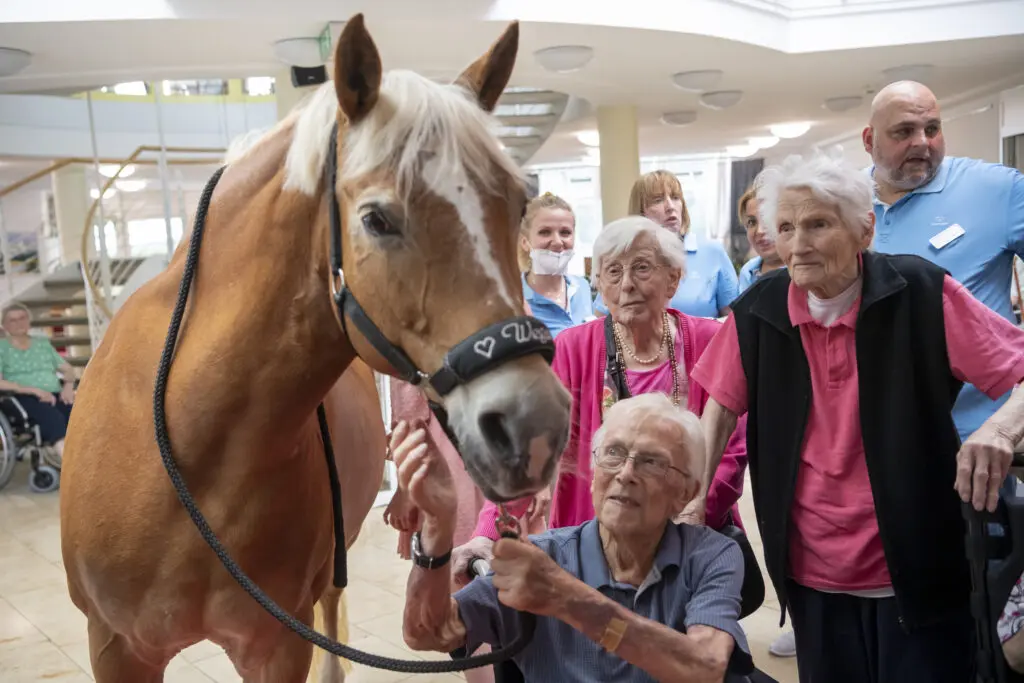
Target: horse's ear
<point>488,76</point>
<point>357,70</point>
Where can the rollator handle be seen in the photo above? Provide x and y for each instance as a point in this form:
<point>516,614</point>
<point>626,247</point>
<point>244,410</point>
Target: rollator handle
<point>478,566</point>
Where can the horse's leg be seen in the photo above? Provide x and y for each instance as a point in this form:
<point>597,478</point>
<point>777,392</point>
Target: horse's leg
<point>290,661</point>
<point>329,667</point>
<point>113,661</point>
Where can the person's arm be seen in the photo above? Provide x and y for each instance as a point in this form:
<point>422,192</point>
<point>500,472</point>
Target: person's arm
<point>718,423</point>
<point>728,285</point>
<point>431,620</point>
<point>727,478</point>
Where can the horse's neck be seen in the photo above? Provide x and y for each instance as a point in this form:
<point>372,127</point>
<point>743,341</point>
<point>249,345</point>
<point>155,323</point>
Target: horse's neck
<point>261,343</point>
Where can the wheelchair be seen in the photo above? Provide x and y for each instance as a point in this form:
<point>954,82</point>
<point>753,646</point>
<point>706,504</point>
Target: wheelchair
<point>995,552</point>
<point>20,440</point>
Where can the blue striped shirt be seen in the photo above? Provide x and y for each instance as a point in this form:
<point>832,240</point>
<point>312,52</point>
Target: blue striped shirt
<point>695,580</point>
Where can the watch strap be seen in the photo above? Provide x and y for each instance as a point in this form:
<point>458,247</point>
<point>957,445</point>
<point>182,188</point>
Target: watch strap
<point>427,561</point>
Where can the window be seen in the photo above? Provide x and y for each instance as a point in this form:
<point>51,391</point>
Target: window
<point>257,86</point>
<point>196,87</point>
<point>133,88</point>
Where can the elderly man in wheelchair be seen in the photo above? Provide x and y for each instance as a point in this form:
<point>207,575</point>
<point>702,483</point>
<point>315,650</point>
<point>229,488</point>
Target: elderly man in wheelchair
<point>36,393</point>
<point>628,596</point>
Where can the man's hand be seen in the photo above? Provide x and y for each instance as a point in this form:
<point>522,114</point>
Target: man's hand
<point>981,466</point>
<point>693,513</point>
<point>527,579</point>
<point>423,474</point>
<point>480,547</point>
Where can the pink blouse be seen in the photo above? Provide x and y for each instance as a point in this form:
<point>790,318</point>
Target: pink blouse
<point>580,364</point>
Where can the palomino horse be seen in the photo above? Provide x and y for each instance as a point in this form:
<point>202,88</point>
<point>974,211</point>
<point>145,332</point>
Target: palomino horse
<point>428,212</point>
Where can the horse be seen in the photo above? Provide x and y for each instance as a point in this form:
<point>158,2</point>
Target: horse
<point>407,174</point>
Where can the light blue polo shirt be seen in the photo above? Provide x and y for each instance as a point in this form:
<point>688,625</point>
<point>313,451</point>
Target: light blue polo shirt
<point>581,305</point>
<point>750,272</point>
<point>987,201</point>
<point>710,283</point>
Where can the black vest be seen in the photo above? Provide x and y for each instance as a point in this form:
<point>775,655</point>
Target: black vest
<point>906,396</point>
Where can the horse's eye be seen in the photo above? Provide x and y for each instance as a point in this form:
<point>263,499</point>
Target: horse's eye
<point>376,223</point>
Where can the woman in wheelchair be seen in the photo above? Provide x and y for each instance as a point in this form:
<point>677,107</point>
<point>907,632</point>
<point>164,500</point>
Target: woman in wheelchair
<point>29,368</point>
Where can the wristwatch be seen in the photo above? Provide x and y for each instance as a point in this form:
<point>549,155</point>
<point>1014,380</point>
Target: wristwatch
<point>426,561</point>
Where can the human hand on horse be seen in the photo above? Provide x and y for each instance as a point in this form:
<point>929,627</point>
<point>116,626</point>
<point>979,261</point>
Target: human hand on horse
<point>424,477</point>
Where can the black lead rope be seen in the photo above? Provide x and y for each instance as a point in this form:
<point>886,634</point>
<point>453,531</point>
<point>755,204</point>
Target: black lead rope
<point>248,585</point>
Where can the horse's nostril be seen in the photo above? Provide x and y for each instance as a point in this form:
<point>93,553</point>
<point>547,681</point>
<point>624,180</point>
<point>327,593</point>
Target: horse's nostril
<point>492,426</point>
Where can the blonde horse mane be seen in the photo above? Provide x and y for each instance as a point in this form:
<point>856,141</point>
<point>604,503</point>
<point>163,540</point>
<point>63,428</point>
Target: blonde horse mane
<point>413,115</point>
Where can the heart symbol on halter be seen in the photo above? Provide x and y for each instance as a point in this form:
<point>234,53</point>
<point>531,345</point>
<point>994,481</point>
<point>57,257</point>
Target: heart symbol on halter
<point>485,347</point>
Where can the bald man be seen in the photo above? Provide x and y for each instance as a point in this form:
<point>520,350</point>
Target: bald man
<point>963,214</point>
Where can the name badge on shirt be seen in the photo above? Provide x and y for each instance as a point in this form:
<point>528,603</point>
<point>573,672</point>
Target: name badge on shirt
<point>946,236</point>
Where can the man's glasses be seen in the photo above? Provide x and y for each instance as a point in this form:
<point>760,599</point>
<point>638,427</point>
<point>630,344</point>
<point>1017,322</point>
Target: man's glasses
<point>613,459</point>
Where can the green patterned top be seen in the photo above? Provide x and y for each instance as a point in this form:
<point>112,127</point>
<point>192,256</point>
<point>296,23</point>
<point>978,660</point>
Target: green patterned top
<point>36,366</point>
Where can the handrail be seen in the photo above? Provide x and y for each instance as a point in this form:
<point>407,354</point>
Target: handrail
<point>87,233</point>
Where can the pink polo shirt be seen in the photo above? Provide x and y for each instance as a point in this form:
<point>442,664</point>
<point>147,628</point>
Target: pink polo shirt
<point>835,544</point>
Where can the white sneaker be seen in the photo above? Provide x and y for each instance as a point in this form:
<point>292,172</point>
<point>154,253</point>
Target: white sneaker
<point>784,645</point>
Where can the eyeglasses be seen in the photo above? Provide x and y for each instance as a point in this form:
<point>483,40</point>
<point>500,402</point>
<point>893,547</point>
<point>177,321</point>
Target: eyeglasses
<point>638,270</point>
<point>647,465</point>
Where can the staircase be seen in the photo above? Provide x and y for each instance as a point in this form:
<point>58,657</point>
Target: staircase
<point>58,306</point>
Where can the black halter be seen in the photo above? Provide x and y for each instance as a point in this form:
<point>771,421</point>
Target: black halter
<point>480,353</point>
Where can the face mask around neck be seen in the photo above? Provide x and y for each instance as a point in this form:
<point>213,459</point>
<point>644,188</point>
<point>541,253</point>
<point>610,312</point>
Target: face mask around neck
<point>547,262</point>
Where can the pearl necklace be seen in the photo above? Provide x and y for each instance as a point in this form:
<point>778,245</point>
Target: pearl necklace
<point>673,365</point>
<point>666,341</point>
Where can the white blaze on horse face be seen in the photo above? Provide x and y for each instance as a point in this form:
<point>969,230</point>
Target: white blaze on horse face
<point>453,185</point>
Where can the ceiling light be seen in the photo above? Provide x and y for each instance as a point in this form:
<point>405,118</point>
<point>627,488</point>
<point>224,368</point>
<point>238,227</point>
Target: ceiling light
<point>592,157</point>
<point>838,104</point>
<point>130,185</point>
<point>564,58</point>
<point>764,141</point>
<point>298,51</point>
<point>697,81</point>
<point>908,72</point>
<point>110,170</point>
<point>722,99</point>
<point>94,193</point>
<point>590,138</point>
<point>790,130</point>
<point>679,118</point>
<point>13,60</point>
<point>740,150</point>
<point>132,88</point>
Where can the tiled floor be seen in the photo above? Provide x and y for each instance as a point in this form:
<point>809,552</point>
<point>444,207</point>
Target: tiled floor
<point>43,636</point>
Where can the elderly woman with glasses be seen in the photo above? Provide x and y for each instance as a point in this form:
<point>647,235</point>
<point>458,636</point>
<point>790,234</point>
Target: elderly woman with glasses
<point>847,364</point>
<point>641,347</point>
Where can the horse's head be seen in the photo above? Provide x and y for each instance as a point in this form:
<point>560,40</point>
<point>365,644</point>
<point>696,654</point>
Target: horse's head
<point>429,207</point>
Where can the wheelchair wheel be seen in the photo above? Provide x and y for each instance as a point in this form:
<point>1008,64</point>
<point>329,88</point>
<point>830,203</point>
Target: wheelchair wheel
<point>44,479</point>
<point>8,451</point>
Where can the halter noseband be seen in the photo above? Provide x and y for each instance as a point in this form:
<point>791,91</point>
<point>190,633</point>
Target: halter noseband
<point>479,353</point>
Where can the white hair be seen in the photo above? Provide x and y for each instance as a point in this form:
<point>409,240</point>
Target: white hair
<point>656,404</point>
<point>829,180</point>
<point>619,236</point>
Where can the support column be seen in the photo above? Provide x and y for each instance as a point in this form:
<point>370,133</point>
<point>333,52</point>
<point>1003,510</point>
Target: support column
<point>71,200</point>
<point>620,159</point>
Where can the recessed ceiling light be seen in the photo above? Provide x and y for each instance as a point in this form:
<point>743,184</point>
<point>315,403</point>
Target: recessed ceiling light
<point>790,130</point>
<point>764,141</point>
<point>109,170</point>
<point>908,72</point>
<point>839,104</point>
<point>130,185</point>
<point>590,138</point>
<point>722,99</point>
<point>740,150</point>
<point>298,51</point>
<point>564,58</point>
<point>13,60</point>
<point>697,81</point>
<point>679,118</point>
